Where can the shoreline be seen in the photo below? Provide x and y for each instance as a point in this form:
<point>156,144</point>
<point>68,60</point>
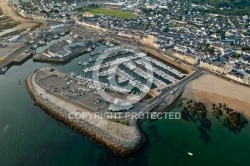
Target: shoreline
<point>211,89</point>
<point>120,146</point>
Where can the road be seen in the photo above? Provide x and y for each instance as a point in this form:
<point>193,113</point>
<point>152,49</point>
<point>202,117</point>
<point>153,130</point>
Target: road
<point>9,11</point>
<point>143,109</point>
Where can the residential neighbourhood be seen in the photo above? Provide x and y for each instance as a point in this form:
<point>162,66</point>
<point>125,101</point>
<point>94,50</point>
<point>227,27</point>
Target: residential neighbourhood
<point>211,41</point>
<point>124,82</point>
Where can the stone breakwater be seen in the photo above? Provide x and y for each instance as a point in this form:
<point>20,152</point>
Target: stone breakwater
<point>118,145</point>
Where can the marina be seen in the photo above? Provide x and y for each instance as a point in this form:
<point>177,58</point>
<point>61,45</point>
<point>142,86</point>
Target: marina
<point>130,68</point>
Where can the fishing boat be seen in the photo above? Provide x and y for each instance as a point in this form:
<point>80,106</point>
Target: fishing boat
<point>3,70</point>
<point>190,154</point>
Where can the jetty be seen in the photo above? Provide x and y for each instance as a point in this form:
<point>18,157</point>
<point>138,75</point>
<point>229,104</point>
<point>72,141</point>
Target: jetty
<point>121,139</point>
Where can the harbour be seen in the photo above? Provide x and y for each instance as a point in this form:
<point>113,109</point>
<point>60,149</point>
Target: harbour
<point>50,139</point>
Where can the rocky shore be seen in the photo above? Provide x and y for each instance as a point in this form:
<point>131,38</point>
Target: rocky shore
<point>119,145</point>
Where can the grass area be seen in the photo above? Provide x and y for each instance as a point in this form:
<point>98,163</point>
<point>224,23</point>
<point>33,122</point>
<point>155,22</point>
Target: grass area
<point>124,122</point>
<point>107,12</point>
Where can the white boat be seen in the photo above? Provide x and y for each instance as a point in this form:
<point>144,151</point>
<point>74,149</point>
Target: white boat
<point>56,37</point>
<point>85,63</point>
<point>3,70</point>
<point>190,154</point>
<point>34,46</point>
<point>110,77</point>
<point>63,33</point>
<point>110,44</point>
<point>89,49</point>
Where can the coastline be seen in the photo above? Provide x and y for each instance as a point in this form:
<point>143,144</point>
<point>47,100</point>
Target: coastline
<point>211,89</point>
<point>115,142</point>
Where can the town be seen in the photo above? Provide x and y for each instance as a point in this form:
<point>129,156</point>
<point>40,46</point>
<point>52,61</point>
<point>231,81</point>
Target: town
<point>136,57</point>
<point>211,41</point>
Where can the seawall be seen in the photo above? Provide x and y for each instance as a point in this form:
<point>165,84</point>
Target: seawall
<point>104,138</point>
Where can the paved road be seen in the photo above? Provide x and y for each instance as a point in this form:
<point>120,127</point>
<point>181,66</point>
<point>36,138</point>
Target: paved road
<point>143,109</point>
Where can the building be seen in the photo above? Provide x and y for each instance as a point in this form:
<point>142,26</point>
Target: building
<point>87,14</point>
<point>14,39</point>
<point>57,26</point>
<point>120,105</point>
<point>187,57</point>
<point>151,41</point>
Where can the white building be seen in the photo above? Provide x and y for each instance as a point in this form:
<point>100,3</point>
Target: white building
<point>120,105</point>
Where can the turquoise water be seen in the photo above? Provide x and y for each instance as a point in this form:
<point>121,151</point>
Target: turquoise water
<point>28,136</point>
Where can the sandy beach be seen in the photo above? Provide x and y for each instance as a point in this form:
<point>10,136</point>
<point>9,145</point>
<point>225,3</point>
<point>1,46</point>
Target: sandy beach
<point>212,89</point>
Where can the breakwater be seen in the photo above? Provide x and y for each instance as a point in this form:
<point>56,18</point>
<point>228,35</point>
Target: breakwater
<point>105,138</point>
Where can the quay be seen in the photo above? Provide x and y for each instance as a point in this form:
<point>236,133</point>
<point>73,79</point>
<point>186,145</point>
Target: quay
<point>67,55</point>
<point>121,139</point>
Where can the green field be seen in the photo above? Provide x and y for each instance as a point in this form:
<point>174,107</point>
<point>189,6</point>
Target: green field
<point>116,13</point>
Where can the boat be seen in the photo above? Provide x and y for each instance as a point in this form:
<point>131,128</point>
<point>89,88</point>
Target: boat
<point>110,44</point>
<point>89,49</point>
<point>109,77</point>
<point>34,46</point>
<point>62,33</point>
<point>85,63</point>
<point>190,154</point>
<point>56,37</point>
<point>41,42</point>
<point>80,63</point>
<point>3,70</point>
<point>72,74</point>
